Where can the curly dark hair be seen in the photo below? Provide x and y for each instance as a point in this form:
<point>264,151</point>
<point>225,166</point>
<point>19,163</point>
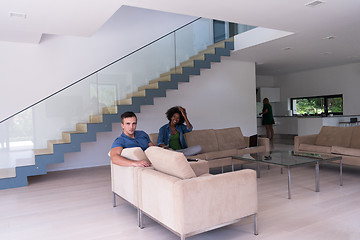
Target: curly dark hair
<point>169,113</point>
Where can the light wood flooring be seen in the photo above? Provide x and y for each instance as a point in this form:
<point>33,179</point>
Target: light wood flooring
<point>77,204</point>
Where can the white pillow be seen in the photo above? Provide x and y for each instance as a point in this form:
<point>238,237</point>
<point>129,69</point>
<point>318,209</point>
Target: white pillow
<point>135,153</point>
<point>170,162</point>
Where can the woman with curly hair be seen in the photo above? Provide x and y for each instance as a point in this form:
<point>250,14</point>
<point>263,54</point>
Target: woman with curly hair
<point>171,135</point>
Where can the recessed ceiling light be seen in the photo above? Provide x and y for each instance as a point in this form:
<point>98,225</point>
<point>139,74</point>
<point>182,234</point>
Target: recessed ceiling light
<point>314,3</point>
<point>17,15</point>
<point>325,53</point>
<point>287,48</point>
<point>329,37</point>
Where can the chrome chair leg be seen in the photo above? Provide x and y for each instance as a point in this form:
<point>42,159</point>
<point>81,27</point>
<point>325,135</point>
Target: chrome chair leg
<point>114,200</point>
<point>255,225</point>
<point>140,221</point>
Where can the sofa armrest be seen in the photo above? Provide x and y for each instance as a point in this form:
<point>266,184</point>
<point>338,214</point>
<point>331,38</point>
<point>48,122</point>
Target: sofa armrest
<point>124,182</point>
<point>307,139</point>
<point>247,141</point>
<point>213,200</point>
<point>200,167</point>
<point>156,196</point>
<point>261,142</point>
<point>264,142</point>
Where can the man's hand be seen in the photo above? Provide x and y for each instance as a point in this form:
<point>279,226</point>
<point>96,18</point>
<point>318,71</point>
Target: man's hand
<point>142,163</point>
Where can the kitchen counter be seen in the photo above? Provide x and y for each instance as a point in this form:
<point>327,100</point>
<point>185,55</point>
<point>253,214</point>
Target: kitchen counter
<point>305,125</point>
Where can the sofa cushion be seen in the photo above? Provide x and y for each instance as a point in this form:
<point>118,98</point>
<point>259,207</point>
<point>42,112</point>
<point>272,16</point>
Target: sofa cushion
<point>345,151</point>
<point>230,138</point>
<point>220,154</point>
<point>200,167</point>
<point>135,153</point>
<point>199,156</point>
<point>170,162</point>
<point>334,136</point>
<point>154,137</point>
<point>205,138</point>
<point>251,150</point>
<point>355,138</point>
<point>314,148</point>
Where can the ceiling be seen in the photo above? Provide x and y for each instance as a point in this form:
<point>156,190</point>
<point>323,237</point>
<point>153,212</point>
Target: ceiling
<point>25,21</point>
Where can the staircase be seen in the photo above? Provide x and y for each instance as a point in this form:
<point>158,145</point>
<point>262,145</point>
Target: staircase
<point>86,132</point>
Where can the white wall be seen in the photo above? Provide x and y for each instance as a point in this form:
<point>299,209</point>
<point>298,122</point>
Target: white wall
<point>264,81</point>
<point>326,81</point>
<point>223,96</point>
<point>31,72</point>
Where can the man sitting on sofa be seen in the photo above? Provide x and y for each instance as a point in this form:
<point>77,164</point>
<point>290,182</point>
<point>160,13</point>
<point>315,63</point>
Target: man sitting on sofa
<point>129,138</point>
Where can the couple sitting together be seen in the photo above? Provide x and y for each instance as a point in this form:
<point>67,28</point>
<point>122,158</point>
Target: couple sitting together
<point>171,136</point>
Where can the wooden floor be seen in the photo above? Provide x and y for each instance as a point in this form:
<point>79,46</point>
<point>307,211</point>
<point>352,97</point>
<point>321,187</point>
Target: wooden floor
<point>77,204</point>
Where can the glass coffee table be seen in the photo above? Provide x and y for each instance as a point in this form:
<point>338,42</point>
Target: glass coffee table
<point>289,159</point>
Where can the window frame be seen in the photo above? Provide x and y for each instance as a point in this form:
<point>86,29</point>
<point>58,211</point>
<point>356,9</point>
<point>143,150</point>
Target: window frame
<point>326,101</point>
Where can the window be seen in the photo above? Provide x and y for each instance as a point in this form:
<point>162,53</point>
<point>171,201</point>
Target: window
<point>320,105</point>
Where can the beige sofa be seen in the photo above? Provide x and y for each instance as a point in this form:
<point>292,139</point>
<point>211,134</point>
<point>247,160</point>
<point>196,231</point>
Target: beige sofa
<point>183,196</point>
<point>218,145</point>
<point>337,141</point>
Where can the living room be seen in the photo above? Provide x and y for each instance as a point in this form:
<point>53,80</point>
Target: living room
<point>72,211</point>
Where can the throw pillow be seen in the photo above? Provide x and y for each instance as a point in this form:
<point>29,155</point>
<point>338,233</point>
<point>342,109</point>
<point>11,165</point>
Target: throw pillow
<point>169,162</point>
<point>135,153</point>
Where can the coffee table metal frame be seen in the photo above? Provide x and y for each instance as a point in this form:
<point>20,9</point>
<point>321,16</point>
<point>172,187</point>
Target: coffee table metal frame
<point>289,159</point>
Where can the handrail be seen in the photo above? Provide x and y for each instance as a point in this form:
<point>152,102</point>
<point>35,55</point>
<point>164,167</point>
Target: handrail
<point>80,80</point>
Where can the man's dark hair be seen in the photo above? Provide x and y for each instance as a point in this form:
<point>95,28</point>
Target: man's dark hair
<point>174,110</point>
<point>127,115</point>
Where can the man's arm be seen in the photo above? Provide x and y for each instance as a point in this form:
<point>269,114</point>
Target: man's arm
<point>116,158</point>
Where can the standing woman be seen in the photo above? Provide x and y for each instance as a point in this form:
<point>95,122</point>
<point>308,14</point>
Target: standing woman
<point>268,119</point>
<point>171,135</point>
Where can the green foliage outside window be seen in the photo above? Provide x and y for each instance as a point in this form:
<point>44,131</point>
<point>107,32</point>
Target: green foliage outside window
<point>318,105</point>
<point>335,105</point>
<point>310,106</point>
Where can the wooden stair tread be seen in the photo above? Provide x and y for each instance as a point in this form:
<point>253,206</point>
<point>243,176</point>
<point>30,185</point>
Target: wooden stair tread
<point>149,86</point>
<point>175,70</point>
<point>7,172</point>
<point>43,151</point>
<point>74,132</point>
<point>96,118</point>
<point>58,141</point>
<point>127,101</point>
<point>141,93</point>
<point>161,79</point>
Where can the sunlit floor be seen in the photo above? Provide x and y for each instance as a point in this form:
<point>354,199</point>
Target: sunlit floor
<point>77,204</point>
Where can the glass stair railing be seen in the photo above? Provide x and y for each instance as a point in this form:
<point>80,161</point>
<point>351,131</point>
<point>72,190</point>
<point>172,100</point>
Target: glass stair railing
<point>76,113</point>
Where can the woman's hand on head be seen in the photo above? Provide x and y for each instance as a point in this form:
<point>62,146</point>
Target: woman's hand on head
<point>182,111</point>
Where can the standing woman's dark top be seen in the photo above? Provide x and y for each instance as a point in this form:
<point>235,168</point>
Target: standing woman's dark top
<point>268,119</point>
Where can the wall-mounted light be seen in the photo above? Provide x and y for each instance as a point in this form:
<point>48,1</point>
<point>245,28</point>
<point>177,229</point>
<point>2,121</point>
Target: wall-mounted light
<point>314,3</point>
<point>17,15</point>
<point>329,37</point>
